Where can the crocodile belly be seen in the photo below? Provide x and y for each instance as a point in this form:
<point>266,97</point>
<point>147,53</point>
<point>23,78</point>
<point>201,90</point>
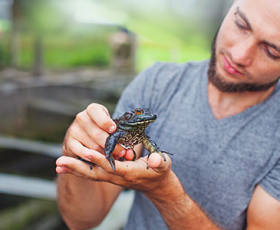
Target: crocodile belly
<point>129,141</point>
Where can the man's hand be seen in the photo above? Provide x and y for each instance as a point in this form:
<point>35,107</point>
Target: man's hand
<point>129,174</point>
<point>88,133</point>
<point>86,139</point>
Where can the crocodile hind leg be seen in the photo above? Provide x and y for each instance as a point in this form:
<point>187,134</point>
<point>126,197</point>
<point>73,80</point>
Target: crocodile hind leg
<point>91,164</point>
<point>152,147</point>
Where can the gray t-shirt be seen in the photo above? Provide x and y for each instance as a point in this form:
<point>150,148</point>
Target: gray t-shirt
<point>219,162</point>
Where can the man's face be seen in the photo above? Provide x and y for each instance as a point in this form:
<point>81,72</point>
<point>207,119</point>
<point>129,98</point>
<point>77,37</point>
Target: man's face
<point>246,50</point>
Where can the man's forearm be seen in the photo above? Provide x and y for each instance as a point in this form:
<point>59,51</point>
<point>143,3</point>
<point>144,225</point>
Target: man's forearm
<point>178,209</point>
<point>83,203</point>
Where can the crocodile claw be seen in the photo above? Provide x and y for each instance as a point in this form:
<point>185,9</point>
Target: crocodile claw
<point>91,164</point>
<point>111,161</point>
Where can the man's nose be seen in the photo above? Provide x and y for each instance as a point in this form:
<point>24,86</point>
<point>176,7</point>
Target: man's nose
<point>242,53</point>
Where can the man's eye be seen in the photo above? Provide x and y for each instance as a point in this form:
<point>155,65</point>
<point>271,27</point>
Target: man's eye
<point>271,54</point>
<point>240,25</point>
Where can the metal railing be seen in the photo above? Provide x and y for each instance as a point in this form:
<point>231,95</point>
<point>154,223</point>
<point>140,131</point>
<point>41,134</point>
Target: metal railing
<point>46,189</point>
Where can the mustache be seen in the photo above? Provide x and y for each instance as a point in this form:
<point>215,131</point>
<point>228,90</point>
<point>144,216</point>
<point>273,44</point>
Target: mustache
<point>239,67</point>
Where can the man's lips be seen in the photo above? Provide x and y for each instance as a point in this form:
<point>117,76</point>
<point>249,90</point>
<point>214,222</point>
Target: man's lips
<point>229,68</point>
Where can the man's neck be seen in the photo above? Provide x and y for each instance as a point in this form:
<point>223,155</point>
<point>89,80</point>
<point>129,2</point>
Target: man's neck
<point>228,104</point>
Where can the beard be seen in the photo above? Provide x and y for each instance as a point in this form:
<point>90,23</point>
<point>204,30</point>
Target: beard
<point>230,87</point>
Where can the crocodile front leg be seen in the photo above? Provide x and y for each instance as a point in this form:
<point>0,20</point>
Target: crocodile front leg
<point>110,144</point>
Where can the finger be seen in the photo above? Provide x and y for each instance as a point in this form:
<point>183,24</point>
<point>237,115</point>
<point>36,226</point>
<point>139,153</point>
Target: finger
<point>79,134</point>
<point>129,155</point>
<point>97,123</point>
<point>76,133</point>
<point>79,168</point>
<point>89,134</point>
<point>131,168</point>
<point>98,137</point>
<point>61,169</point>
<point>91,128</point>
<point>157,162</point>
<point>76,148</point>
<point>90,155</point>
<point>100,116</point>
<point>95,133</point>
<point>72,166</point>
<point>121,153</point>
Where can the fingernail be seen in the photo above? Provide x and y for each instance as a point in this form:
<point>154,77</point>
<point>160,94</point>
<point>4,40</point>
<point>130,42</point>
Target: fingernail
<point>60,170</point>
<point>111,128</point>
<point>122,153</point>
<point>63,171</point>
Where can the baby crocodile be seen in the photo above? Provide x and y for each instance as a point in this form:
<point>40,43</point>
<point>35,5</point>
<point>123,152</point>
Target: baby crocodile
<point>130,132</point>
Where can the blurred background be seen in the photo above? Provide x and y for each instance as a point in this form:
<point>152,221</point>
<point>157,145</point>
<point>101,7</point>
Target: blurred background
<point>56,57</point>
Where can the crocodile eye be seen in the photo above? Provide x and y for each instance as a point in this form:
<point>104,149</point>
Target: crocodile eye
<point>138,111</point>
<point>127,116</point>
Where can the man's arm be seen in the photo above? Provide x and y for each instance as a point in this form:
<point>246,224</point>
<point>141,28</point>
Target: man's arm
<point>181,212</point>
<point>164,189</point>
<point>177,208</point>
<point>263,211</point>
<point>84,203</point>
<point>158,183</point>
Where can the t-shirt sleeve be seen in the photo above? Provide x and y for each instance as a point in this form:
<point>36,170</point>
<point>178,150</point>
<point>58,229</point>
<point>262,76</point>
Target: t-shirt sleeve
<point>271,182</point>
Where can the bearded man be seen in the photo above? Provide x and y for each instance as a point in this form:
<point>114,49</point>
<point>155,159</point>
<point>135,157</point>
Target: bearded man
<point>220,119</point>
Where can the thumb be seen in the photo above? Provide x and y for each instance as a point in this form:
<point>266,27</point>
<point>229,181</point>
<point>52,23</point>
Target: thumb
<point>156,161</point>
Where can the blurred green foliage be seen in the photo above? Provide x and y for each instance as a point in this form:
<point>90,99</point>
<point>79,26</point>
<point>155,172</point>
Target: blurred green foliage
<point>67,51</point>
<point>4,44</point>
<point>149,52</point>
<point>165,33</point>
<point>93,50</point>
<point>89,45</point>
<point>4,55</point>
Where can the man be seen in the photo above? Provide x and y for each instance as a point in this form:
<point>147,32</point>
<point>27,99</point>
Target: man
<point>222,129</point>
